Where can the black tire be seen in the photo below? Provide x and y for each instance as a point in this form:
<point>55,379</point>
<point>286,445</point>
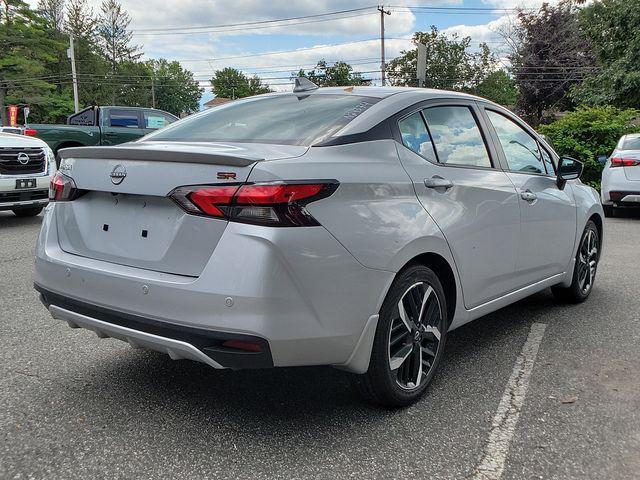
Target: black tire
<point>388,387</point>
<point>584,271</point>
<point>27,212</point>
<point>608,211</point>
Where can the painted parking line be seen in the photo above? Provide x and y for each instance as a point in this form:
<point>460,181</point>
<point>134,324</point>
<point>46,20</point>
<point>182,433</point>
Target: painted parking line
<point>504,422</point>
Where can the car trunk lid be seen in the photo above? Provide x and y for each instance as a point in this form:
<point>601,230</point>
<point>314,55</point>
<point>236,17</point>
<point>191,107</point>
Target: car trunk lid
<point>126,216</point>
<point>633,172</point>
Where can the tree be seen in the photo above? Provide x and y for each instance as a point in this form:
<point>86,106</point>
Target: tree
<point>26,49</point>
<point>612,26</point>
<point>53,12</point>
<point>176,91</point>
<point>337,75</point>
<point>450,63</point>
<point>590,131</point>
<point>114,36</point>
<point>498,87</point>
<point>551,58</point>
<point>232,83</point>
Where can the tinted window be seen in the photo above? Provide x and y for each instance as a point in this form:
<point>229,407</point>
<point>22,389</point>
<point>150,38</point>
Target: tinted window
<point>456,136</point>
<point>631,143</point>
<point>123,118</point>
<point>155,120</point>
<point>284,119</point>
<point>548,162</point>
<point>520,148</point>
<point>416,137</point>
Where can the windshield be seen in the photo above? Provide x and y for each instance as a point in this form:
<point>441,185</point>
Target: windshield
<point>281,119</point>
<point>631,143</point>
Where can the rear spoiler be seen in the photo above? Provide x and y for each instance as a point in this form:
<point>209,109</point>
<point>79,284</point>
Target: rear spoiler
<point>156,155</point>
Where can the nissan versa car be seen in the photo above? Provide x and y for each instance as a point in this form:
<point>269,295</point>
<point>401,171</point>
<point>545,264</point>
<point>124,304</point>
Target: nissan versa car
<point>351,227</point>
<point>621,175</point>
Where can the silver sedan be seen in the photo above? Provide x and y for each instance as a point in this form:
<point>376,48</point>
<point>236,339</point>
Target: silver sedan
<point>351,227</point>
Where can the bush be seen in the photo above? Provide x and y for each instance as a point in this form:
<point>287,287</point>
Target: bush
<point>590,131</point>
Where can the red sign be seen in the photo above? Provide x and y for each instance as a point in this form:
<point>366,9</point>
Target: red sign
<point>13,115</point>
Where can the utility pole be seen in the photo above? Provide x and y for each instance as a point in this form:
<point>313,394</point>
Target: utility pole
<point>383,66</point>
<point>71,54</point>
<point>153,93</point>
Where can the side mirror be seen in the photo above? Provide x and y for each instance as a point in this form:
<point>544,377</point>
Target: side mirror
<point>602,158</point>
<point>568,169</point>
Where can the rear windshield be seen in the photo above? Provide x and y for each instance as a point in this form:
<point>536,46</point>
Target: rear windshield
<point>281,119</point>
<point>631,143</point>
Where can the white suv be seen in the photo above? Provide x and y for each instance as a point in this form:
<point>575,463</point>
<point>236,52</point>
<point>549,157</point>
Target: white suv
<point>26,167</point>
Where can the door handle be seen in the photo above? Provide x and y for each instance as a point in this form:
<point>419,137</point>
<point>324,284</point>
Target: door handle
<point>110,134</point>
<point>529,196</point>
<point>437,182</point>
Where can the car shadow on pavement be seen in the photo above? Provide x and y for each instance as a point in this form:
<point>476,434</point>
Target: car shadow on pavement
<point>283,400</point>
<point>8,220</point>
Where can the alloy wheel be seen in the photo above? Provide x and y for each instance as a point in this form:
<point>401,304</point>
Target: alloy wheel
<point>415,334</point>
<point>587,261</point>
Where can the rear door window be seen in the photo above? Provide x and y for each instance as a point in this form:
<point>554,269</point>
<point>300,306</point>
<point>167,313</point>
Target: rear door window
<point>156,120</point>
<point>456,136</point>
<point>123,118</point>
<point>415,136</point>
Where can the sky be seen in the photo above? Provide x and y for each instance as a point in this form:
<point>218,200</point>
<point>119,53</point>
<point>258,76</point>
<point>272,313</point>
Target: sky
<point>171,29</point>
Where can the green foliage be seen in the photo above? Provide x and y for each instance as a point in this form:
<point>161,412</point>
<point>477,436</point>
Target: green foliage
<point>450,63</point>
<point>27,48</point>
<point>612,27</point>
<point>550,58</point>
<point>176,90</point>
<point>590,131</point>
<point>498,87</point>
<point>232,83</point>
<point>337,75</point>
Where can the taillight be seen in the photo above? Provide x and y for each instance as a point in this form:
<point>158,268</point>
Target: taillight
<point>63,188</point>
<point>279,204</point>
<point>30,132</point>
<point>624,162</point>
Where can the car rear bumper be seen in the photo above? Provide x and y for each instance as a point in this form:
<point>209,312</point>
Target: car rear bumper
<point>297,289</point>
<point>178,341</point>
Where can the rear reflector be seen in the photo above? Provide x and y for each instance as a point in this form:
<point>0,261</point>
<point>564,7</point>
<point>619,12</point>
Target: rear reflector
<point>270,204</point>
<point>624,162</point>
<point>240,345</point>
<point>30,132</point>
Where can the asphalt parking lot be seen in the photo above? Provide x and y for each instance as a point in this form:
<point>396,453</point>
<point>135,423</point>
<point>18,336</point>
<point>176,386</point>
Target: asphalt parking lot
<point>74,406</point>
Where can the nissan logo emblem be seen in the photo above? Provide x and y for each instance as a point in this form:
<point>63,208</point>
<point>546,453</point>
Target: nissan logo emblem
<point>117,174</point>
<point>23,158</point>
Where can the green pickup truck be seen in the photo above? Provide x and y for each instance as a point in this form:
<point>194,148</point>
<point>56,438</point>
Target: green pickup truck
<point>101,126</point>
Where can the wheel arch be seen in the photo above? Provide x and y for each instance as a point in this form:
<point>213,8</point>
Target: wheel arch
<point>445,274</point>
<point>67,144</point>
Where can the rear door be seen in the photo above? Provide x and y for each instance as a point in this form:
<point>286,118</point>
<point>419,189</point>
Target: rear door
<point>454,172</point>
<point>120,125</point>
<point>548,213</point>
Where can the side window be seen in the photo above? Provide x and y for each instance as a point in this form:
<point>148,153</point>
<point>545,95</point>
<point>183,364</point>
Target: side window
<point>456,136</point>
<point>123,118</point>
<point>520,148</point>
<point>415,136</point>
<point>155,120</point>
<point>548,161</point>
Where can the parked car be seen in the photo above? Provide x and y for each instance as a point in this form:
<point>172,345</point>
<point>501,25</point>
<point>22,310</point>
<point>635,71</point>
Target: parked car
<point>347,227</point>
<point>102,126</point>
<point>27,166</point>
<point>14,130</point>
<point>620,185</point>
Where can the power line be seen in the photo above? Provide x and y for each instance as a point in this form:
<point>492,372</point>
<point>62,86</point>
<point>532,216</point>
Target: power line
<point>255,23</point>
